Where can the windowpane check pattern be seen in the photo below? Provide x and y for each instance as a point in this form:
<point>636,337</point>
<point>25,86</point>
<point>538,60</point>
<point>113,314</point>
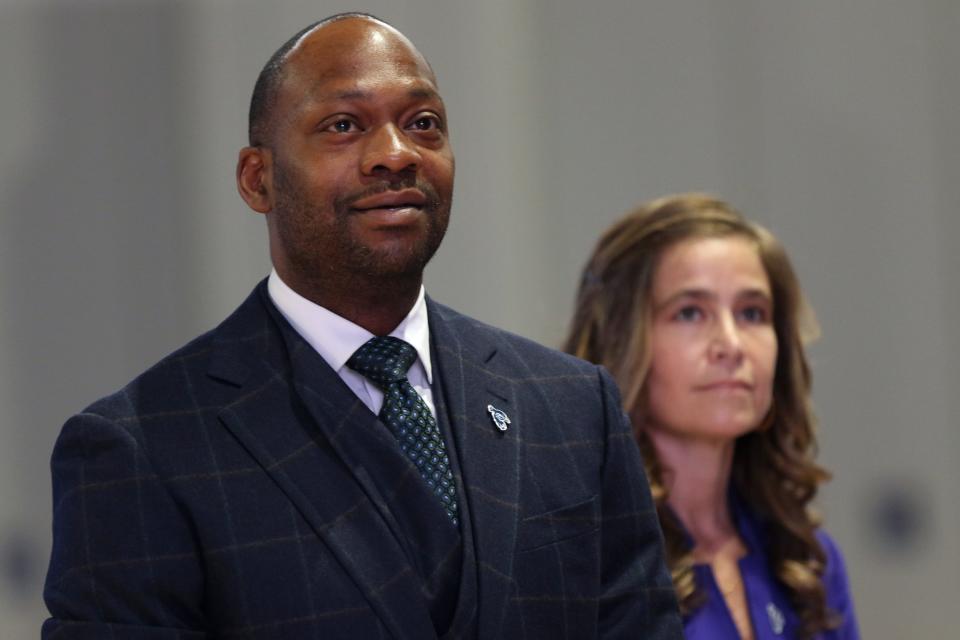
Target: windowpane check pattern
<point>385,360</point>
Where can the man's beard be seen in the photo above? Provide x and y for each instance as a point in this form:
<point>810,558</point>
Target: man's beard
<point>311,240</point>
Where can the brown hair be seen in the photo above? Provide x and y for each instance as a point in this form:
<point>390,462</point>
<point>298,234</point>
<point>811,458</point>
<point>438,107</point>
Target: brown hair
<point>773,468</point>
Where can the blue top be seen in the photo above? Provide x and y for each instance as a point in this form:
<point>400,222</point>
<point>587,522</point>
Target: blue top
<point>771,613</point>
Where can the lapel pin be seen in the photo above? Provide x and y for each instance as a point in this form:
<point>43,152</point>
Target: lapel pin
<point>777,621</point>
<point>500,419</point>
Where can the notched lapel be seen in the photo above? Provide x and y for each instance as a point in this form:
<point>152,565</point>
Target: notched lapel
<point>489,458</point>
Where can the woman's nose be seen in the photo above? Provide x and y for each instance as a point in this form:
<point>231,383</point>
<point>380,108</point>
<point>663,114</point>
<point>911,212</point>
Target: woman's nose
<point>726,343</point>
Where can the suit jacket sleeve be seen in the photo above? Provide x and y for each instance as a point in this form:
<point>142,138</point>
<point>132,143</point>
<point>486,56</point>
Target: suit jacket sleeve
<point>124,562</point>
<point>637,592</point>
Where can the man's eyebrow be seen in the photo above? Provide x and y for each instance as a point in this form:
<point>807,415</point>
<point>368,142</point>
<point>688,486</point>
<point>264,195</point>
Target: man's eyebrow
<point>360,94</point>
<point>421,92</point>
<point>351,94</point>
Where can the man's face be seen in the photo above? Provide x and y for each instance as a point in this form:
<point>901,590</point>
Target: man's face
<point>362,169</point>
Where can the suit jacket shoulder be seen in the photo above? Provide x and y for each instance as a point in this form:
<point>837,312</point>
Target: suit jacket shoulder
<point>481,336</point>
<point>225,354</point>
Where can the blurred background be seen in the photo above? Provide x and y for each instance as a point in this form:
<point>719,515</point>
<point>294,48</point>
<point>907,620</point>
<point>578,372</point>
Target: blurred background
<point>833,123</point>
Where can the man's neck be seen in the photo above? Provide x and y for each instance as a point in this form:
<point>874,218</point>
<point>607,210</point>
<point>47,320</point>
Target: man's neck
<point>377,306</point>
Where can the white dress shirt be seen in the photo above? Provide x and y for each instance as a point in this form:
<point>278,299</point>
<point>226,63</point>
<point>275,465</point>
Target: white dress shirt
<point>336,339</point>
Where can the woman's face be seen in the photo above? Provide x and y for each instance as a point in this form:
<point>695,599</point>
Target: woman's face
<point>712,340</point>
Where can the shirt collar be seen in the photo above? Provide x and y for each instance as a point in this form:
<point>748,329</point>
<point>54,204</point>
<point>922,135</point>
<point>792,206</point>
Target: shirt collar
<point>335,338</point>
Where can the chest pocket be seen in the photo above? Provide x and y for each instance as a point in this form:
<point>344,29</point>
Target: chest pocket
<point>559,525</point>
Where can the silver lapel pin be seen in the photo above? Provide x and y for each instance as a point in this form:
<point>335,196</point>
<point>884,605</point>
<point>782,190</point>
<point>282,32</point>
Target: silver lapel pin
<point>777,621</point>
<point>500,419</point>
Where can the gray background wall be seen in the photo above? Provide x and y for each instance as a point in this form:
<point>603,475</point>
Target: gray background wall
<point>121,234</point>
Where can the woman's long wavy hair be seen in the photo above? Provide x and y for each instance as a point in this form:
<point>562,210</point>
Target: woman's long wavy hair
<point>773,468</point>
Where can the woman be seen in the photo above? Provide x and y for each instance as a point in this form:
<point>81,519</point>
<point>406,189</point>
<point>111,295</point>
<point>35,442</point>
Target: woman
<point>700,318</point>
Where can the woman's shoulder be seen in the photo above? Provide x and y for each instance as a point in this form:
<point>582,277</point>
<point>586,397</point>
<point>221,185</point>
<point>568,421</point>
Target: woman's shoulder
<point>830,547</point>
<point>835,571</point>
<point>837,585</point>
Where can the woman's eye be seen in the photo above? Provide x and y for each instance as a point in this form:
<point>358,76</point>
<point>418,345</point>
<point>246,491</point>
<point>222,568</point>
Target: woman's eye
<point>688,314</point>
<point>754,315</point>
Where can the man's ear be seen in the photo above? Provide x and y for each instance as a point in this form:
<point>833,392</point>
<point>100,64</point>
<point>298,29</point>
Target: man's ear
<point>255,178</point>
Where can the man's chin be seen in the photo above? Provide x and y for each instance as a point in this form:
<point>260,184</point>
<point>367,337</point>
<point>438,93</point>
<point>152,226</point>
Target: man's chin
<point>396,261</point>
<point>395,254</point>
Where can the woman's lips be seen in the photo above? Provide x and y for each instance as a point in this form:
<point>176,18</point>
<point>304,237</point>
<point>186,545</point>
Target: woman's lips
<point>726,385</point>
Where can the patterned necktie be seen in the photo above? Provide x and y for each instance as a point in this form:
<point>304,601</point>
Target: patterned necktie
<point>385,361</point>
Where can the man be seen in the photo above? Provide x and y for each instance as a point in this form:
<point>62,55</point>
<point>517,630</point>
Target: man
<point>294,474</point>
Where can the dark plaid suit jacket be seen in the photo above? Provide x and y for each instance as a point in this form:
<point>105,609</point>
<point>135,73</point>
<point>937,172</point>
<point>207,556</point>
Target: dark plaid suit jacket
<point>211,498</point>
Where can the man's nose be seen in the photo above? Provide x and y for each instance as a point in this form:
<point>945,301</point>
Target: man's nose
<point>726,343</point>
<point>388,150</point>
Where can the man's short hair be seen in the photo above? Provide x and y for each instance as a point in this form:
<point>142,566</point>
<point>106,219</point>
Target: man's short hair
<point>268,82</point>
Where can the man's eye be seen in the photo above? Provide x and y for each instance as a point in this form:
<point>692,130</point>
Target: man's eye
<point>343,126</point>
<point>426,123</point>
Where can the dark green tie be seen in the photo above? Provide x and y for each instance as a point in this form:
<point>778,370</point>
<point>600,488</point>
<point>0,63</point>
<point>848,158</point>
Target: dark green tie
<point>385,361</point>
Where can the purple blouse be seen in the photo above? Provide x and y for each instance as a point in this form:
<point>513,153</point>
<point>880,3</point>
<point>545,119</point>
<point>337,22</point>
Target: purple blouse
<point>770,611</point>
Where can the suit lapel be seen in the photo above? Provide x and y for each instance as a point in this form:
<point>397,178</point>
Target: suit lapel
<point>489,458</point>
<point>299,441</point>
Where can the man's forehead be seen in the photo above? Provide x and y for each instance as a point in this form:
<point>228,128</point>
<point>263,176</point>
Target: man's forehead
<point>348,46</point>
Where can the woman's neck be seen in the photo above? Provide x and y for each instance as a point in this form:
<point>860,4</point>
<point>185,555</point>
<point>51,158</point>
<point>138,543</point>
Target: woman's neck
<point>697,474</point>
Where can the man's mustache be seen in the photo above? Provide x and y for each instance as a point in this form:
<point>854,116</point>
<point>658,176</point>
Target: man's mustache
<point>433,198</point>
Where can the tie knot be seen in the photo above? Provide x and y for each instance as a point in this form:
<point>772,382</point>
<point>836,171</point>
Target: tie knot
<point>383,359</point>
